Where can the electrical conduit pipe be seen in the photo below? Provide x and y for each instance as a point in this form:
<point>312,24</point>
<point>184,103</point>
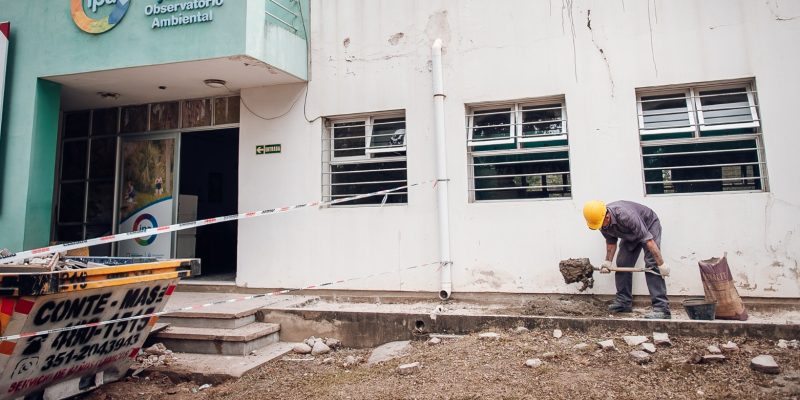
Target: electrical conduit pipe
<point>441,172</point>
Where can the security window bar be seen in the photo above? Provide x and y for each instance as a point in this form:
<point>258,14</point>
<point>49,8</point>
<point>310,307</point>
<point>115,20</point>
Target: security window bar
<point>701,139</point>
<point>519,151</point>
<point>364,155</point>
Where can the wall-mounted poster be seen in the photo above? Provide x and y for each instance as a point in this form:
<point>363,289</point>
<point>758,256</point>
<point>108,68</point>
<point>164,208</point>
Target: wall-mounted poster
<point>5,31</point>
<point>146,200</point>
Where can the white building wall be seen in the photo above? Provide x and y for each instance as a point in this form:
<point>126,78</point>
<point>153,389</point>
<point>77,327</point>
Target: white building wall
<point>375,55</point>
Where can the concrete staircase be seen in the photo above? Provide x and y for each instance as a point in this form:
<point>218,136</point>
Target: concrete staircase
<point>224,329</point>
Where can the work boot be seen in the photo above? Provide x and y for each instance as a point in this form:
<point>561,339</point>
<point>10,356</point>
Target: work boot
<point>617,307</point>
<point>658,314</point>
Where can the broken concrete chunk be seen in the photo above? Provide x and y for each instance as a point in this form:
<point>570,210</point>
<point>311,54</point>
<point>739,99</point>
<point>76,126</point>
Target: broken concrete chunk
<point>328,360</point>
<point>433,341</point>
<point>332,343</point>
<point>349,361</point>
<point>302,348</point>
<point>520,330</point>
<point>557,333</point>
<point>712,358</point>
<point>489,335</point>
<point>730,347</point>
<point>648,347</point>
<point>310,341</point>
<point>634,340</point>
<point>640,357</point>
<point>713,349</point>
<point>389,351</point>
<point>320,348</point>
<point>407,369</point>
<point>766,364</point>
<point>607,345</point>
<point>788,344</point>
<point>533,363</point>
<point>661,339</point>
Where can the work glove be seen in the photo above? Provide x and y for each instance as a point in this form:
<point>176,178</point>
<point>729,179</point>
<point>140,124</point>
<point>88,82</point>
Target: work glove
<point>605,268</point>
<point>664,270</point>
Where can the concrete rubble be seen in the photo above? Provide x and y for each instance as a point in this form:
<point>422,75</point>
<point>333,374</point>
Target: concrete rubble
<point>533,363</point>
<point>730,347</point>
<point>580,347</point>
<point>489,335</point>
<point>408,369</point>
<point>788,344</point>
<point>153,356</point>
<point>389,351</point>
<point>634,340</point>
<point>713,349</point>
<point>640,357</point>
<point>433,341</point>
<point>712,358</point>
<point>765,363</point>
<point>607,345</point>
<point>557,333</point>
<point>648,347</point>
<point>661,339</point>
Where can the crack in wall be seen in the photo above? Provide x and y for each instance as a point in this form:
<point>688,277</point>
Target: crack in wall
<point>650,25</point>
<point>600,49</point>
<point>564,5</point>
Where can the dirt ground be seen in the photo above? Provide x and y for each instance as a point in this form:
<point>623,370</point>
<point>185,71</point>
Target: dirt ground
<point>473,368</point>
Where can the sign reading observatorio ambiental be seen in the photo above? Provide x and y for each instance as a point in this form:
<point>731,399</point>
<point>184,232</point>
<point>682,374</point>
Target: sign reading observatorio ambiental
<point>268,148</point>
<point>185,12</point>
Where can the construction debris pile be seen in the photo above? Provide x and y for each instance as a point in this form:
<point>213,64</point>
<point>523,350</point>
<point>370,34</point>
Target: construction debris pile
<point>577,270</point>
<point>317,346</point>
<point>50,262</point>
<point>153,356</point>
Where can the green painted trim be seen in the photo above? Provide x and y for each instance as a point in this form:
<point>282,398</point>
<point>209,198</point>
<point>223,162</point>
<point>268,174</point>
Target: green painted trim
<point>39,202</point>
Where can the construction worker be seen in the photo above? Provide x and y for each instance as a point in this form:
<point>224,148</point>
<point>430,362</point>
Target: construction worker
<point>638,228</point>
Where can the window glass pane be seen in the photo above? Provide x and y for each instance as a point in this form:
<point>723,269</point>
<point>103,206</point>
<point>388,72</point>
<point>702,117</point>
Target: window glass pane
<point>226,110</point>
<point>134,119</point>
<point>348,135</point>
<point>665,111</point>
<point>76,124</point>
<point>541,120</point>
<point>164,116</point>
<point>352,179</point>
<point>73,160</point>
<point>491,124</point>
<point>69,233</point>
<point>196,113</point>
<point>100,205</point>
<point>702,167</point>
<point>104,122</point>
<point>728,106</point>
<point>71,202</point>
<point>103,158</point>
<point>522,176</point>
<point>388,133</point>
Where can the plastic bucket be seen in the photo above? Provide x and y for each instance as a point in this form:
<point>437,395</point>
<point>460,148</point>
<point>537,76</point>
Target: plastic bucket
<point>700,309</point>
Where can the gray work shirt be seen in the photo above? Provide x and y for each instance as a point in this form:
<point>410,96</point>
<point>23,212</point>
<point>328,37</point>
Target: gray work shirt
<point>632,222</point>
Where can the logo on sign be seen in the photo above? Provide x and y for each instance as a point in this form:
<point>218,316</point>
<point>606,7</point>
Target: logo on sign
<point>144,222</point>
<point>110,15</point>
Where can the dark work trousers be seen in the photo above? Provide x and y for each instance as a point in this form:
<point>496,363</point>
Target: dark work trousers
<point>655,283</point>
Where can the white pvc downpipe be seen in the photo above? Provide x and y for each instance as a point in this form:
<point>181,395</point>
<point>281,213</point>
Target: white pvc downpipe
<point>441,172</point>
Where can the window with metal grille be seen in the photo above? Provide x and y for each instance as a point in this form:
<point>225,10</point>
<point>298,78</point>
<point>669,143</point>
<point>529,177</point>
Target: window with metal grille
<point>365,154</point>
<point>702,138</point>
<point>518,150</point>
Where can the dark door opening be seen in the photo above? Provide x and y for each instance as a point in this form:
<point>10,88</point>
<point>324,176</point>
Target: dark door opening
<point>209,187</point>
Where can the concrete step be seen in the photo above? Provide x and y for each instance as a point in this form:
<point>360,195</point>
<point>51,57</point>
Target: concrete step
<point>218,320</point>
<point>239,341</point>
<point>215,369</point>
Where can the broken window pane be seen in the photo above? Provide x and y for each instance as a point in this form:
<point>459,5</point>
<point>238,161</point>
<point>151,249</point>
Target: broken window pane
<point>388,137</point>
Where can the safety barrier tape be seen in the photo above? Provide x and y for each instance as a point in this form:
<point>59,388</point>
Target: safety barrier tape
<point>19,256</point>
<point>205,305</point>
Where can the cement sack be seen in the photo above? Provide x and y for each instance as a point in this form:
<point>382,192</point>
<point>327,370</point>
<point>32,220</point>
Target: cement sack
<point>718,286</point>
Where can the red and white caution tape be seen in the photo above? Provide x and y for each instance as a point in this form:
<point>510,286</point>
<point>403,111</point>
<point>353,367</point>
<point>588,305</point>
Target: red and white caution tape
<point>205,305</point>
<point>15,257</point>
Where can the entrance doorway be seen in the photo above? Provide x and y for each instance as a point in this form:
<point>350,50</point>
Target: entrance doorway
<point>209,187</point>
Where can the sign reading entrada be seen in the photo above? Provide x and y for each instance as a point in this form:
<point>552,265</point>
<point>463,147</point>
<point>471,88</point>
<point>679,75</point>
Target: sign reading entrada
<point>182,13</point>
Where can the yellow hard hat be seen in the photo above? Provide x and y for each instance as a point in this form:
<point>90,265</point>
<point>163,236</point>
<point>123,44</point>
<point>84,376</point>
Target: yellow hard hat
<point>595,212</point>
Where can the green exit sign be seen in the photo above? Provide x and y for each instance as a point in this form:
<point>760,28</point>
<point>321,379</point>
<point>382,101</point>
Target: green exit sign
<point>268,148</point>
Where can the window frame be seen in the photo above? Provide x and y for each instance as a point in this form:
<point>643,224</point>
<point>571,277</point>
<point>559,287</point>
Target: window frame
<point>692,92</point>
<point>687,96</point>
<point>518,139</point>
